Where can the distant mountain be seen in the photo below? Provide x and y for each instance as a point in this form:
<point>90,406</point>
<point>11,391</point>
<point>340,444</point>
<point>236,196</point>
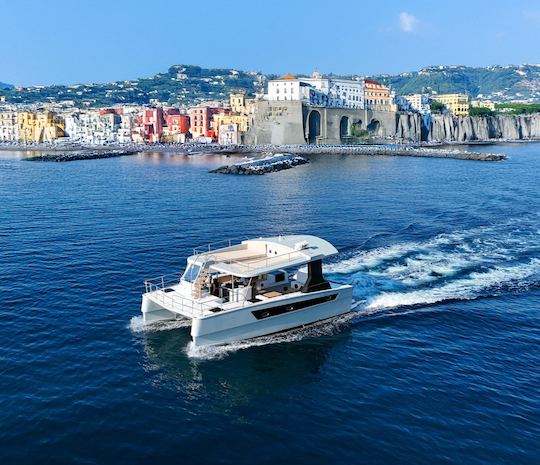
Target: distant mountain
<point>3,85</point>
<point>188,85</point>
<point>500,83</point>
<point>180,85</point>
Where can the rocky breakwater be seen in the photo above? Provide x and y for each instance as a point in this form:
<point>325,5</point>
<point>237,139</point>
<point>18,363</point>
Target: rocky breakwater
<point>267,164</point>
<point>396,150</point>
<point>81,155</point>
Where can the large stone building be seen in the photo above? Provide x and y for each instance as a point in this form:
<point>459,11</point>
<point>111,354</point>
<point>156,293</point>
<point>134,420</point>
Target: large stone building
<point>457,104</point>
<point>317,90</point>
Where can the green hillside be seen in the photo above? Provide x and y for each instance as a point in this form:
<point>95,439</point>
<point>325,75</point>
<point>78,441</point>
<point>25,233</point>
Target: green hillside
<point>188,85</point>
<point>500,83</point>
<point>181,84</point>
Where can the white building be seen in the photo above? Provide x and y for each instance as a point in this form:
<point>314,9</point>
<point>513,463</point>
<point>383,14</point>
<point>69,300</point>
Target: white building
<point>414,102</point>
<point>319,91</point>
<point>9,127</point>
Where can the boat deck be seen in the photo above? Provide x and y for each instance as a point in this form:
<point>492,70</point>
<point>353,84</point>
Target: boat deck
<point>170,298</point>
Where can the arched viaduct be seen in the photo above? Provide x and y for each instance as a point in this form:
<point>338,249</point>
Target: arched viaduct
<point>292,122</point>
<point>337,125</point>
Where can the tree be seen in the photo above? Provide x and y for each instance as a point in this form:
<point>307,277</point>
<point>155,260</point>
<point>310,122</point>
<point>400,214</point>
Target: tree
<point>437,107</point>
<point>480,111</point>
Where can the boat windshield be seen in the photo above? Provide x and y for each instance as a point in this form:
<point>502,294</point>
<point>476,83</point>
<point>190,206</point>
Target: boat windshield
<point>191,273</point>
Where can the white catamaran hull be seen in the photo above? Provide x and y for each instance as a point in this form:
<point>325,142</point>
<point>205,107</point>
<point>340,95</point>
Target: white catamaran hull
<point>268,318</point>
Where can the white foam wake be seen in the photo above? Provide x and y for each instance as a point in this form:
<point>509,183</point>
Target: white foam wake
<point>322,328</point>
<point>446,255</point>
<point>477,284</point>
<point>137,325</point>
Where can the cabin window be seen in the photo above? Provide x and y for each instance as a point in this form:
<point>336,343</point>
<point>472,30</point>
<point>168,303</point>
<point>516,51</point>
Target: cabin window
<point>191,273</point>
<point>280,277</point>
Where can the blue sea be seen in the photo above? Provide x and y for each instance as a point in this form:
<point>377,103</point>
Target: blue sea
<point>437,363</point>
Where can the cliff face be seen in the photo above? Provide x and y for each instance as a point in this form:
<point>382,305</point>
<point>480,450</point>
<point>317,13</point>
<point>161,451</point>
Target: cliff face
<point>451,128</point>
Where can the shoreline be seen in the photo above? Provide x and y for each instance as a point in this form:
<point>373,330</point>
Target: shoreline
<point>61,152</point>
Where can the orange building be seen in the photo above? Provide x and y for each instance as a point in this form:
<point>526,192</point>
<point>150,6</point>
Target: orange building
<point>377,96</point>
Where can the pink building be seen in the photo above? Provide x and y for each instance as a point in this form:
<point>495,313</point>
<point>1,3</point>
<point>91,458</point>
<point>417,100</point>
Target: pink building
<point>201,119</point>
<point>152,125</point>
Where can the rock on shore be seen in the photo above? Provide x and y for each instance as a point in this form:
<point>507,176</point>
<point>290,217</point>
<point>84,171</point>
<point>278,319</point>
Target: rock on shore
<point>268,164</point>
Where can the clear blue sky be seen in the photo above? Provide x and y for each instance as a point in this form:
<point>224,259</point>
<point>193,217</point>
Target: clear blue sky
<point>70,41</point>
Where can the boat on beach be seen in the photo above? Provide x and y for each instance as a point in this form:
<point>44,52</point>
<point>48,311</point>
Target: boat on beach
<point>241,289</point>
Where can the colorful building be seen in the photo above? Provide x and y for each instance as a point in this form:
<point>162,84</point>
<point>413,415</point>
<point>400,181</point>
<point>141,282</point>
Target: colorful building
<point>176,127</point>
<point>377,96</point>
<point>152,125</point>
<point>201,120</point>
<point>457,104</point>
<point>43,126</point>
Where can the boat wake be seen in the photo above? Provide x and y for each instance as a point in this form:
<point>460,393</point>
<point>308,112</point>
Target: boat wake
<point>463,265</point>
<point>137,325</point>
<point>396,279</point>
<point>322,328</point>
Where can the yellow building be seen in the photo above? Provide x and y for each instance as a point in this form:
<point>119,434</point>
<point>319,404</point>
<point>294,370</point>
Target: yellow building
<point>458,104</point>
<point>240,104</point>
<point>27,121</point>
<point>40,127</point>
<point>483,104</point>
<point>242,121</point>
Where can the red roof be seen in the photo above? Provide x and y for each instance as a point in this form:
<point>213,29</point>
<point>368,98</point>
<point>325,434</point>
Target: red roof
<point>370,81</point>
<point>287,76</point>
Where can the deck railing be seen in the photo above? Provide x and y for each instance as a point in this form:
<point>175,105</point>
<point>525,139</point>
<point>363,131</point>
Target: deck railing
<point>173,300</point>
<point>218,245</point>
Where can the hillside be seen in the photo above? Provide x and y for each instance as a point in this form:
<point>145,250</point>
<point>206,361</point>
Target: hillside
<point>188,85</point>
<point>180,85</point>
<point>3,85</point>
<point>500,83</point>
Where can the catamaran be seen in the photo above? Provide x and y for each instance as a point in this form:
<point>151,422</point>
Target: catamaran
<point>249,288</point>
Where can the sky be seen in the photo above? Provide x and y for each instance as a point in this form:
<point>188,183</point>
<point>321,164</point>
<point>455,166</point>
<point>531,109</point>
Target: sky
<point>46,42</point>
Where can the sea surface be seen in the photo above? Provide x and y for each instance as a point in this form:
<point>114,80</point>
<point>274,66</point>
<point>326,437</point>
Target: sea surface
<point>437,363</point>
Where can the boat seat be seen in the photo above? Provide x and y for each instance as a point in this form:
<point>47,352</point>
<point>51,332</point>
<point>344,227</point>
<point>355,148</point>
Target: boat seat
<point>272,294</point>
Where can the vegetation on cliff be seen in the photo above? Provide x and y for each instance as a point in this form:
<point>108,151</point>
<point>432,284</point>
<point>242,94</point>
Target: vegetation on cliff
<point>480,111</point>
<point>520,108</point>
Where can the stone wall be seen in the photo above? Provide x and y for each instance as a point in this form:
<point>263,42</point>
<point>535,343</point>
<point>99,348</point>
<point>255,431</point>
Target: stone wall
<point>287,122</point>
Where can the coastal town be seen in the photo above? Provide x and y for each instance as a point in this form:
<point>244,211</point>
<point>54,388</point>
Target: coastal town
<point>290,109</point>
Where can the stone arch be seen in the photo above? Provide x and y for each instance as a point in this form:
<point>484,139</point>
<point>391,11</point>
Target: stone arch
<point>374,126</point>
<point>314,126</point>
<point>344,129</point>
